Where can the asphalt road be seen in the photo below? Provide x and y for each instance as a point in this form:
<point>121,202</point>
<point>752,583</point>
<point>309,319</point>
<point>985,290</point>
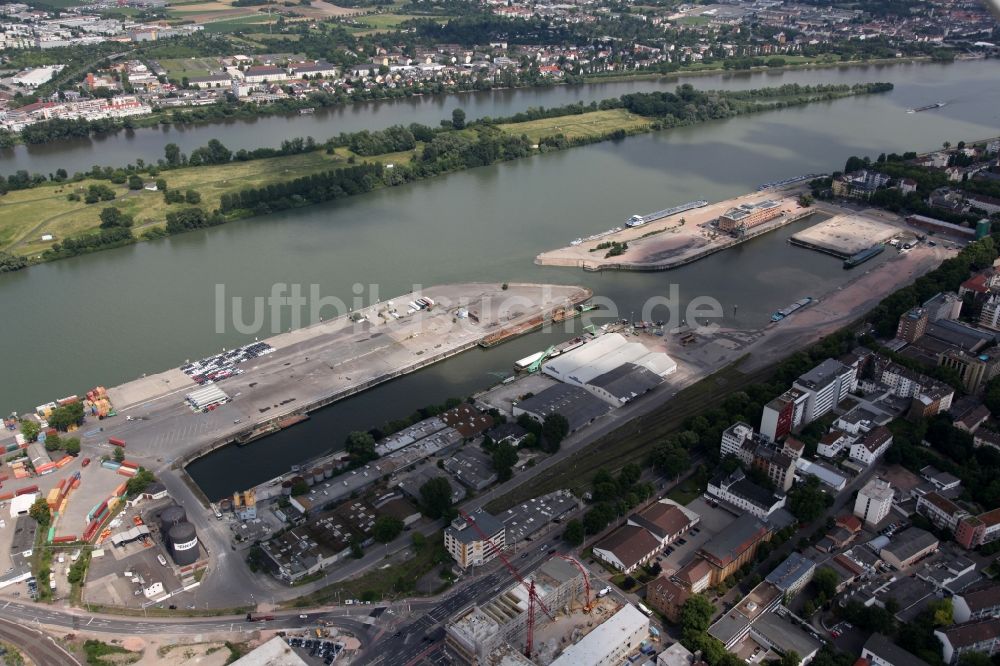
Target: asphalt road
<point>39,648</point>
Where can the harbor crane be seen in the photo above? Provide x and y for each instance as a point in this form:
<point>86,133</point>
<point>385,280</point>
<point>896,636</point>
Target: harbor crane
<point>533,597</point>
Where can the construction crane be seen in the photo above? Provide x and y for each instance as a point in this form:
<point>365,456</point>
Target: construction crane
<point>586,581</point>
<point>537,364</point>
<point>533,597</point>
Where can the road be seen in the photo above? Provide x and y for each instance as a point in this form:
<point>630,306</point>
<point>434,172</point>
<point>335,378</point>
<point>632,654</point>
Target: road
<point>36,646</point>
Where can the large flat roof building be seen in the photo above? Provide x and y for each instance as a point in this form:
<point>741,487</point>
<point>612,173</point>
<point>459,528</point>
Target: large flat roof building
<point>573,402</point>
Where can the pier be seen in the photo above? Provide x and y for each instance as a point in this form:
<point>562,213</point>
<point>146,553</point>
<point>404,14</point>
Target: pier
<point>318,365</point>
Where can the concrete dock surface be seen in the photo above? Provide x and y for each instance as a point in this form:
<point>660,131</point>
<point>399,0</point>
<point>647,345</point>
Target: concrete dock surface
<point>319,364</point>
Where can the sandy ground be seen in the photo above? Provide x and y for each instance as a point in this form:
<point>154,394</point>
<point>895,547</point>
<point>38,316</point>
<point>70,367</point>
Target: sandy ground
<point>166,653</point>
<point>844,305</point>
<point>672,240</point>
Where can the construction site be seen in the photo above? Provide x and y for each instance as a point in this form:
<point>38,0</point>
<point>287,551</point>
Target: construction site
<point>549,616</point>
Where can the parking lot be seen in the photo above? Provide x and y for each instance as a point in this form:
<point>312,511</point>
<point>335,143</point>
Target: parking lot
<point>317,650</point>
<point>713,521</point>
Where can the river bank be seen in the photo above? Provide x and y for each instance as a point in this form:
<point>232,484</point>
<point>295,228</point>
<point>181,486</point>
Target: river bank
<point>36,222</point>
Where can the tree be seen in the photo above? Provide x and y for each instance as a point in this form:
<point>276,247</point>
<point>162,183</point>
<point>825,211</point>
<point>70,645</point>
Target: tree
<point>671,459</point>
<point>504,459</point>
<point>969,658</point>
<point>826,580</point>
<point>119,454</point>
<point>790,658</point>
<point>696,614</point>
<point>807,501</point>
<point>53,443</point>
<point>555,427</point>
<point>40,512</point>
<point>135,182</point>
<point>65,416</point>
<point>173,154</point>
<point>30,430</point>
<point>435,497</point>
<point>71,446</point>
<point>361,446</point>
<point>458,119</point>
<point>138,483</point>
<point>387,528</point>
<point>112,217</point>
<point>574,533</point>
<point>192,197</point>
<point>300,487</point>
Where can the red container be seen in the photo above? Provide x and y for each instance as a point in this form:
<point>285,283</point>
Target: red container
<point>69,538</point>
<point>25,491</point>
<point>114,441</point>
<point>129,463</point>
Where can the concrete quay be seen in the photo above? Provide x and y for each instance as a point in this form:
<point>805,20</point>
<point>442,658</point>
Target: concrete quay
<point>679,239</point>
<point>317,365</point>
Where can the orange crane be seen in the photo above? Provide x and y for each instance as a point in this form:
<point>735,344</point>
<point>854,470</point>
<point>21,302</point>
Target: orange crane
<point>586,581</point>
<point>533,597</point>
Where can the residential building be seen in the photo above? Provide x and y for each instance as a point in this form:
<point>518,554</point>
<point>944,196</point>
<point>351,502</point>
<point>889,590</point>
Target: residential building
<point>783,414</point>
<point>667,596</point>
<point>946,305</point>
<point>976,636</point>
<point>880,651</point>
<point>912,325</point>
<point>909,546</point>
<point>871,446</point>
<point>825,387</point>
<point>874,501</point>
<point>833,442</point>
<point>740,492</point>
<point>977,604</point>
<point>975,531</point>
<point>989,315</point>
<point>734,438</point>
<point>474,545</point>
<point>627,548</point>
<point>264,73</point>
<point>974,369</point>
<point>778,466</point>
<point>941,511</point>
<point>793,574</point>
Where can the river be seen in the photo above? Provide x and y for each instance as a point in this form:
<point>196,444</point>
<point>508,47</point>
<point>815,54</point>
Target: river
<point>127,146</point>
<point>111,316</point>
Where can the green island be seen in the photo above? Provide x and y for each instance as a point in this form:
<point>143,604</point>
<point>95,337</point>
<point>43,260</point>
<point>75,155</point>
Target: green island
<point>47,218</point>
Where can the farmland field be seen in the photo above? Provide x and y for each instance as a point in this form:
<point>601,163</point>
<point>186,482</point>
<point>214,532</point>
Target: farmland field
<point>592,124</point>
<point>178,68</point>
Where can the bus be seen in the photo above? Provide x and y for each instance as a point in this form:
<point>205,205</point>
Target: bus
<point>645,610</point>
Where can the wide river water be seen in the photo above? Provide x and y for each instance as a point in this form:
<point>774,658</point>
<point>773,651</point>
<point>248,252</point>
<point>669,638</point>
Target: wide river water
<point>112,316</point>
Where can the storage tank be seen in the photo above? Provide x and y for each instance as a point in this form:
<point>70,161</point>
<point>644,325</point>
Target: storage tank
<point>327,471</point>
<point>317,475</point>
<point>225,505</point>
<point>170,516</point>
<point>286,488</point>
<point>183,540</point>
<point>309,478</point>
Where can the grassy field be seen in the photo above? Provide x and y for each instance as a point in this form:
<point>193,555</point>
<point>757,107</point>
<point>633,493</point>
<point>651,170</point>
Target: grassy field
<point>178,68</point>
<point>595,123</point>
<point>238,24</point>
<point>26,215</point>
<point>387,22</point>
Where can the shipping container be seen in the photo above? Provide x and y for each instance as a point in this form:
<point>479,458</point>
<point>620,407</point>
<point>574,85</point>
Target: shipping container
<point>125,471</point>
<point>130,463</point>
<point>69,538</point>
<point>26,490</point>
<point>64,461</point>
<point>110,464</point>
<point>114,441</point>
<point>6,496</point>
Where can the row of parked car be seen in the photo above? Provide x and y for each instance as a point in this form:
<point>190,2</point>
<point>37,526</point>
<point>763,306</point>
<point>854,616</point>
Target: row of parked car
<point>320,649</point>
<point>221,366</point>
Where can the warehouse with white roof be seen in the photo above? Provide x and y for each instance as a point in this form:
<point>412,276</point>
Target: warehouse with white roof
<point>612,368</point>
